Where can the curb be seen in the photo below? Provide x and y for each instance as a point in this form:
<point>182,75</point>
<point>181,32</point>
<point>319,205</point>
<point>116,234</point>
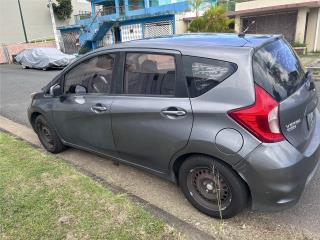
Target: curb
<point>188,230</point>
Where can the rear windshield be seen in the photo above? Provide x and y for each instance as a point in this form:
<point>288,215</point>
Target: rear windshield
<point>277,69</point>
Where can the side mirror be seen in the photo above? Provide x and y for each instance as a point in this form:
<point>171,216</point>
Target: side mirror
<point>55,90</point>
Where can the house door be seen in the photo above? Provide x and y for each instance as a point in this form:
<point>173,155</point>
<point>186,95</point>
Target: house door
<point>117,35</point>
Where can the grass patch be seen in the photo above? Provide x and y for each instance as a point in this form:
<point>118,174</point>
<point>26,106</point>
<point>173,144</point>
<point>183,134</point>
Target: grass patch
<point>44,198</point>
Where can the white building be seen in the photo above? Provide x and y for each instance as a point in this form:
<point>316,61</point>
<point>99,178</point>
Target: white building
<point>36,17</point>
<point>297,20</point>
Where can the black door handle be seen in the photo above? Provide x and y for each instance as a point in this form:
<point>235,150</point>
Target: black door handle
<point>99,108</point>
<point>173,112</point>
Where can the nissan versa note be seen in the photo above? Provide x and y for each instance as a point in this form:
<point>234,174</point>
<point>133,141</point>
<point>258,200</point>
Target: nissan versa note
<point>231,118</point>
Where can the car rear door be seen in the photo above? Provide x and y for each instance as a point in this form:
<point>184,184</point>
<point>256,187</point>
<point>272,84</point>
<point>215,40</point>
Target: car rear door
<point>278,70</point>
<point>152,118</point>
<point>82,115</point>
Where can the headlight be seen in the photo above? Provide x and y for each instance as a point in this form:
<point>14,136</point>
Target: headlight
<point>32,95</point>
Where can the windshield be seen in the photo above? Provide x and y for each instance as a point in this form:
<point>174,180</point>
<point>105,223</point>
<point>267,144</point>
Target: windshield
<point>277,69</point>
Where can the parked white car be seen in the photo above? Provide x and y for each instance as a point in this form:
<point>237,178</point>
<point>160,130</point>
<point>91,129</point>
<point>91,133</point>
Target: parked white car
<point>43,58</point>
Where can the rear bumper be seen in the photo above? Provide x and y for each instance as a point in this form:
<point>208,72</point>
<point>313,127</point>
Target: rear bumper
<point>277,173</point>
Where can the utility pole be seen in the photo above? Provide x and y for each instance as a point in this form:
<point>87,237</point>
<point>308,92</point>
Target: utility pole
<point>22,21</point>
<point>53,21</point>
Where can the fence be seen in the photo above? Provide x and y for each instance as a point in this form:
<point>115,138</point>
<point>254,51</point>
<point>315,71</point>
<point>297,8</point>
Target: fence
<point>70,42</point>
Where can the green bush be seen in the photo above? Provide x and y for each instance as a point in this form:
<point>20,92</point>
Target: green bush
<point>298,44</point>
<point>213,20</point>
<point>84,50</point>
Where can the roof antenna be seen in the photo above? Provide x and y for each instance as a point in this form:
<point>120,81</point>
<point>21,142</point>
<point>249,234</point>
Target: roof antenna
<point>243,33</point>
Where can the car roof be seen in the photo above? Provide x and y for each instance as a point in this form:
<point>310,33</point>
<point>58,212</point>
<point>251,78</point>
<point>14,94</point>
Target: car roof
<point>200,40</point>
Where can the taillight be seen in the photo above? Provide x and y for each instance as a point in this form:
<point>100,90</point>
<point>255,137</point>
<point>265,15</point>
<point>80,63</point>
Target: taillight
<point>261,118</point>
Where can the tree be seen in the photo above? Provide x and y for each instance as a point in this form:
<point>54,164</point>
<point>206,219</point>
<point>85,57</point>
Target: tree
<point>63,9</point>
<point>195,5</point>
<point>213,20</point>
<point>197,25</point>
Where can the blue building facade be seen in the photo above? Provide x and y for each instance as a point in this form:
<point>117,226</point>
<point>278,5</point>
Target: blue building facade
<point>112,21</point>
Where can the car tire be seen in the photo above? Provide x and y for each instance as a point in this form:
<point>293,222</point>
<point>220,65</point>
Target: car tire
<point>48,136</point>
<point>212,187</point>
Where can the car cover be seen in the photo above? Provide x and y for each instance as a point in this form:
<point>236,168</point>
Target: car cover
<point>44,58</point>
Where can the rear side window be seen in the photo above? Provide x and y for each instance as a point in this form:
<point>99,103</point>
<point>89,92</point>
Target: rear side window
<point>203,74</point>
<point>150,74</point>
<point>277,69</point>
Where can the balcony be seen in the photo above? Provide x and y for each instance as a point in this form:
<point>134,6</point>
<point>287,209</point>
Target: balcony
<point>130,8</point>
<point>155,7</point>
<point>81,15</point>
<point>107,12</point>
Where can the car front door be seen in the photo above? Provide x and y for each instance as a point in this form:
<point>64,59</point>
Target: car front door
<point>152,118</point>
<point>82,114</point>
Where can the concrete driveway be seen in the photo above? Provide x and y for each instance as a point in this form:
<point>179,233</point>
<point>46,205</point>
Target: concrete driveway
<point>299,222</point>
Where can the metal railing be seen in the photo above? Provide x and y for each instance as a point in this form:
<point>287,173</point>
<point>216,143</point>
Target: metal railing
<point>107,11</point>
<point>122,9</point>
<point>82,15</point>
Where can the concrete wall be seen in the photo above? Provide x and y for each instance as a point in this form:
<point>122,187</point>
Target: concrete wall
<point>307,30</point>
<point>237,24</point>
<point>311,28</point>
<point>77,5</point>
<point>317,39</point>
<point>301,25</point>
<point>266,3</point>
<point>180,25</point>
<point>36,17</point>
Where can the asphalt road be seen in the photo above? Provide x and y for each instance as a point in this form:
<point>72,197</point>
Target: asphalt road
<point>16,85</point>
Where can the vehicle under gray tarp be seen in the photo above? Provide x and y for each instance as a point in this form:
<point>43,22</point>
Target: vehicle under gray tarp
<point>43,58</point>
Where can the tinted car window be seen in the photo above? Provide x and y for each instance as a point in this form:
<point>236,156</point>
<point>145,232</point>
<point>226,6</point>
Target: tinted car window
<point>277,69</point>
<point>204,74</point>
<point>150,74</point>
<point>94,75</point>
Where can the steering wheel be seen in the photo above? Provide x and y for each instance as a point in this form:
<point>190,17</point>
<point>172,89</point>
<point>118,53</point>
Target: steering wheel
<point>100,83</point>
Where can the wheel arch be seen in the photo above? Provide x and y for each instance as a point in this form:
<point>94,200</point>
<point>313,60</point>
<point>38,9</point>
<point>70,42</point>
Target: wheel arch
<point>182,158</point>
<point>33,117</point>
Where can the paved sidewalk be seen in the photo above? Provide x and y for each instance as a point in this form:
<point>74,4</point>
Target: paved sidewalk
<point>300,222</point>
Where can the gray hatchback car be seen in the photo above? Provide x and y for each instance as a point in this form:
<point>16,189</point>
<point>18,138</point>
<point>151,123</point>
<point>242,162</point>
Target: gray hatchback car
<point>232,119</point>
